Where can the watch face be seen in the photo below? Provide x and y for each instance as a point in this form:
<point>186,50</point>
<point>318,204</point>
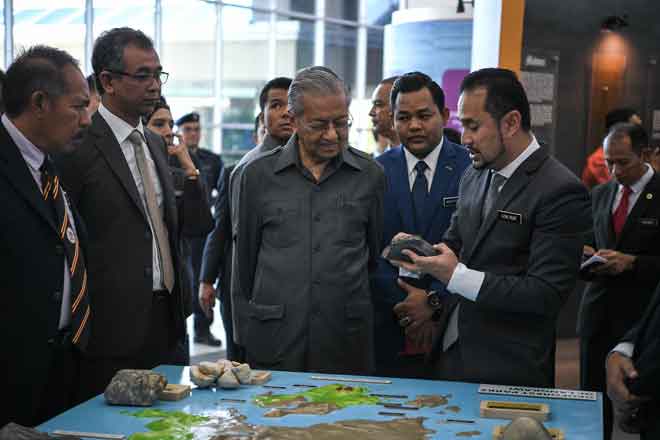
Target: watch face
<point>434,300</point>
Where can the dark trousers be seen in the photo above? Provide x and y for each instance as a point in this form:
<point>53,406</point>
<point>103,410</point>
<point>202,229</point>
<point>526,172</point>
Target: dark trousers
<point>194,252</point>
<point>412,367</point>
<point>448,365</point>
<point>593,354</point>
<point>160,347</point>
<point>59,394</point>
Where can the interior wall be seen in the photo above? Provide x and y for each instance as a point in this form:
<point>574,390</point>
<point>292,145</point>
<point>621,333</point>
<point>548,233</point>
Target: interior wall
<point>572,28</point>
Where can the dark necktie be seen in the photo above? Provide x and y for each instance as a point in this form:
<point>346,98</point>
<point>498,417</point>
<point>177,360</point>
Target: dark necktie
<point>80,311</point>
<point>621,212</point>
<point>496,182</point>
<point>420,193</point>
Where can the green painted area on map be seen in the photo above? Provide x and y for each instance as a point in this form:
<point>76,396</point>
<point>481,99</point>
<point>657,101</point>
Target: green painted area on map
<point>340,395</point>
<point>169,425</point>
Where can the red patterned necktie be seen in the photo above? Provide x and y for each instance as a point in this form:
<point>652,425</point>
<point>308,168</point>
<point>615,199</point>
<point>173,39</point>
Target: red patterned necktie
<point>621,212</point>
<point>80,311</point>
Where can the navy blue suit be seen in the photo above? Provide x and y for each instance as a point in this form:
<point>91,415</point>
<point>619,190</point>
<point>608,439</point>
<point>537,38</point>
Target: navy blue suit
<point>399,217</point>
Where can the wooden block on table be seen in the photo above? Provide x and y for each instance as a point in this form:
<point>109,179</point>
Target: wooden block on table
<point>260,377</point>
<point>555,433</point>
<point>174,391</point>
<point>491,409</point>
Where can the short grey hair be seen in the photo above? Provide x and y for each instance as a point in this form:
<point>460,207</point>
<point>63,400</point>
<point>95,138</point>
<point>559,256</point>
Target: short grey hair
<point>318,81</point>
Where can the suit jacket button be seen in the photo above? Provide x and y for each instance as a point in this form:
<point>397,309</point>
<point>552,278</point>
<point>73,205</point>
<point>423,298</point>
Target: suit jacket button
<point>57,296</point>
<point>59,249</point>
<point>148,272</point>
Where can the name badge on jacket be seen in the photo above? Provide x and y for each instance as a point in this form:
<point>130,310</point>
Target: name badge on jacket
<point>449,202</point>
<point>510,217</point>
<point>652,222</point>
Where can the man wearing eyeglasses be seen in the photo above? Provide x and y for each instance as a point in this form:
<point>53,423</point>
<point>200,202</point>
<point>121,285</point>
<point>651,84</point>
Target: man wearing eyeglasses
<point>120,182</point>
<point>308,232</point>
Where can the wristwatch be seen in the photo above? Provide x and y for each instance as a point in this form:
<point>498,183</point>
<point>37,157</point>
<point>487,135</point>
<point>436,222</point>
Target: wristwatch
<point>433,300</point>
<point>193,176</point>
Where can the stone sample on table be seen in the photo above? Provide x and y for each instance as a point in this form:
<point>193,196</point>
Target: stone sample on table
<point>13,431</point>
<point>228,380</point>
<point>135,388</point>
<point>243,373</point>
<point>525,428</point>
<point>211,368</point>
<point>200,379</point>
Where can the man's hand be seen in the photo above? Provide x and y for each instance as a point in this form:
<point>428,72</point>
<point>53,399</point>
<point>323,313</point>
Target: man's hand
<point>440,266</point>
<point>620,368</point>
<point>588,250</point>
<point>415,307</point>
<point>617,262</point>
<point>206,298</point>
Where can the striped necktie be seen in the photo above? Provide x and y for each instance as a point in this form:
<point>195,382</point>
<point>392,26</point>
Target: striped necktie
<point>80,311</point>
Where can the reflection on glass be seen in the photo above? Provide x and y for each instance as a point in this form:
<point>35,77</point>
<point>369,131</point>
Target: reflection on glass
<point>374,59</point>
<point>340,51</point>
<point>137,14</point>
<point>295,45</point>
<point>64,25</point>
<point>306,6</point>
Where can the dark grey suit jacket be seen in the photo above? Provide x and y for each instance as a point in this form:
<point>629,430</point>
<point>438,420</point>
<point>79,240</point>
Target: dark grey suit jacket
<point>119,261</point>
<point>531,259</point>
<point>619,301</point>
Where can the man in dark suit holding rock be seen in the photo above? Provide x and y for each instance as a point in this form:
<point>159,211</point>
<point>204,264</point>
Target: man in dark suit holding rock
<point>512,252</point>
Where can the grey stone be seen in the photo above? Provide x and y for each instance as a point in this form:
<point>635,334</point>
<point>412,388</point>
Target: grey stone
<point>412,243</point>
<point>135,388</point>
<point>12,431</point>
<point>525,428</point>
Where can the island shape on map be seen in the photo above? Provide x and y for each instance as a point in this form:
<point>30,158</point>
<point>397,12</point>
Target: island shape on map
<point>318,401</point>
<point>229,424</point>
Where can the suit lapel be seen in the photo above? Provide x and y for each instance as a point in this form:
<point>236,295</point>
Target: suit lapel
<point>642,205</point>
<point>107,144</point>
<point>19,176</point>
<point>612,188</point>
<point>513,186</point>
<point>401,187</point>
<point>444,170</point>
<point>475,207</point>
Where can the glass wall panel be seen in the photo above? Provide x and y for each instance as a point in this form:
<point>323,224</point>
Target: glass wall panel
<point>374,59</point>
<point>306,6</point>
<point>2,38</point>
<point>344,9</point>
<point>340,52</point>
<point>60,24</point>
<point>189,57</point>
<point>294,47</point>
<point>245,70</point>
<point>137,14</point>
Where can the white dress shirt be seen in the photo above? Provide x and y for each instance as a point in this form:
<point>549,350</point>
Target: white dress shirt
<point>636,189</point>
<point>122,130</point>
<point>431,161</point>
<point>465,281</point>
<point>34,158</point>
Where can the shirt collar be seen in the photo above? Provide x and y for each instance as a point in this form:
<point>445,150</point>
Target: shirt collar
<point>508,170</point>
<point>32,155</point>
<point>639,186</point>
<point>431,159</point>
<point>290,156</point>
<point>120,128</point>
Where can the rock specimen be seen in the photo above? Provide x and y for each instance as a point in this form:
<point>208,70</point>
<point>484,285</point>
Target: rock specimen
<point>12,431</point>
<point>200,379</point>
<point>525,428</point>
<point>211,368</point>
<point>413,243</point>
<point>243,373</point>
<point>135,388</point>
<point>228,380</point>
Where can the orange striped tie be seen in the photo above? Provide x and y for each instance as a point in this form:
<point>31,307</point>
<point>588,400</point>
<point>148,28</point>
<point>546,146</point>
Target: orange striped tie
<point>80,311</point>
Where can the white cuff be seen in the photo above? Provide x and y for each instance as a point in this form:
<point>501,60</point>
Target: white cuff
<point>625,348</point>
<point>466,282</point>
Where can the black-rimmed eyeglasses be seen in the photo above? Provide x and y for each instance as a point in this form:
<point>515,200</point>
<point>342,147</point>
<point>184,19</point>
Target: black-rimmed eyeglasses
<point>161,77</point>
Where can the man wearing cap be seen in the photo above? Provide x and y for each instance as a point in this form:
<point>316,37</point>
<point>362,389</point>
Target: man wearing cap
<point>210,166</point>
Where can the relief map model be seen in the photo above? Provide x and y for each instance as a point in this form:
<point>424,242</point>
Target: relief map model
<point>229,423</point>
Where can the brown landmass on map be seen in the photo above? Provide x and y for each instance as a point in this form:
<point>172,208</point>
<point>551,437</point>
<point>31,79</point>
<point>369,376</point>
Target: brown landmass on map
<point>303,408</point>
<point>429,400</point>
